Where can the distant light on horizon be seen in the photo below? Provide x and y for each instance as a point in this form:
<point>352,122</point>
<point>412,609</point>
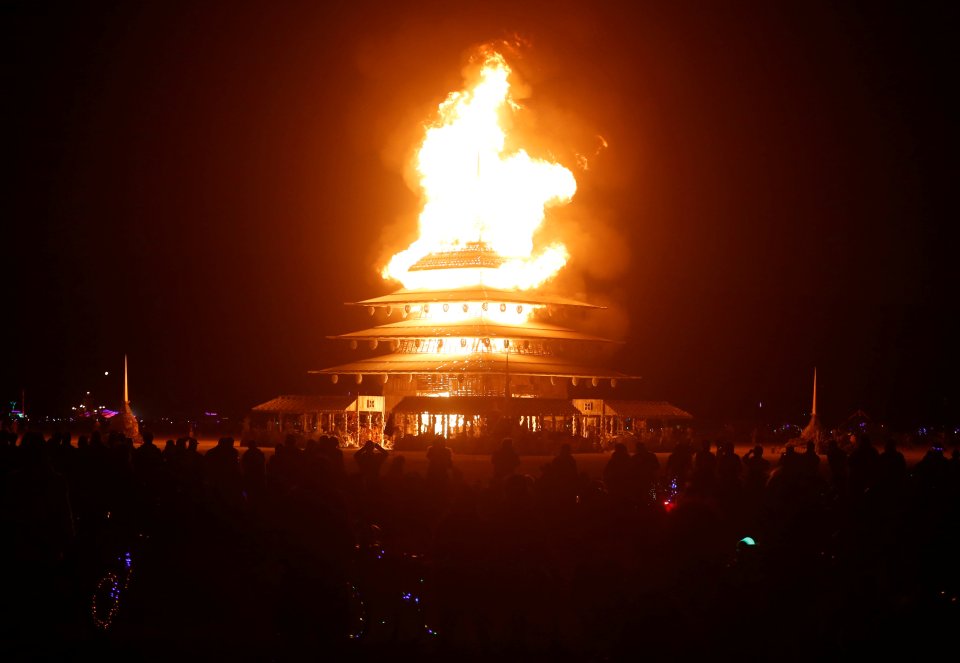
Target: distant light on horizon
<point>106,372</point>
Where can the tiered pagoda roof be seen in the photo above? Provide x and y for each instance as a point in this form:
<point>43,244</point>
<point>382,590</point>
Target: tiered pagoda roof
<point>473,331</point>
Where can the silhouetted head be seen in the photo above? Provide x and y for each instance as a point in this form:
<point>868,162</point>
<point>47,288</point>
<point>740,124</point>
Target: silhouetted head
<point>506,443</point>
<point>758,450</point>
<point>620,448</point>
<point>34,451</point>
<point>565,449</point>
<point>705,445</point>
<point>641,447</point>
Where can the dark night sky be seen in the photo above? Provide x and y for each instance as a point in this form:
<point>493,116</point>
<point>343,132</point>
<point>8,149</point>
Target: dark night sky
<point>203,189</point>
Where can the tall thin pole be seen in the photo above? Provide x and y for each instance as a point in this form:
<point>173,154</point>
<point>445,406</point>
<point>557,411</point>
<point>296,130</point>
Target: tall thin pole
<point>126,394</point>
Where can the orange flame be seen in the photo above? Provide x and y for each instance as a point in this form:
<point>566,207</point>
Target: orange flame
<point>474,192</point>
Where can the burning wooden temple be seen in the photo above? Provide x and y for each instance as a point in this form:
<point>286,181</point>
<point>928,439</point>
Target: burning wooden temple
<point>470,363</point>
<point>471,346</point>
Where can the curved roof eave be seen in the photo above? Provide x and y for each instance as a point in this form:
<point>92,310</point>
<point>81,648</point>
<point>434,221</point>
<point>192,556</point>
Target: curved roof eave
<point>478,294</point>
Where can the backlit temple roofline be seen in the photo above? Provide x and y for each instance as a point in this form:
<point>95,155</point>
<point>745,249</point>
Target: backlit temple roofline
<point>493,295</point>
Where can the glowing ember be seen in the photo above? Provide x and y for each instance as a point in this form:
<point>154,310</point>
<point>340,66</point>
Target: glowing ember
<point>478,198</point>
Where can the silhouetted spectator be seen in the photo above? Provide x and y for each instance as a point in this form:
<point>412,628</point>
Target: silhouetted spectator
<point>369,458</point>
<point>704,477</point>
<point>168,452</point>
<point>559,479</point>
<point>933,469</point>
<point>330,450</point>
<point>864,464</point>
<point>253,465</point>
<point>790,465</point>
<point>729,465</point>
<point>680,463</point>
<point>893,466</point>
<point>837,464</point>
<point>439,462</point>
<point>618,473</point>
<point>283,468</point>
<point>809,461</point>
<point>36,533</point>
<point>757,470</point>
<point>729,490</point>
<point>505,460</point>
<point>646,467</point>
<point>221,467</point>
<point>36,506</point>
<point>148,460</point>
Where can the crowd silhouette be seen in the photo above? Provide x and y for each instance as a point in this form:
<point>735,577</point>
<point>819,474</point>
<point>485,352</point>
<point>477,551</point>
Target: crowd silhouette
<point>114,548</point>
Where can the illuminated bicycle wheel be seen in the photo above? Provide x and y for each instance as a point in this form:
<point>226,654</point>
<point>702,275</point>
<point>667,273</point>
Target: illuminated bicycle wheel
<point>108,593</point>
